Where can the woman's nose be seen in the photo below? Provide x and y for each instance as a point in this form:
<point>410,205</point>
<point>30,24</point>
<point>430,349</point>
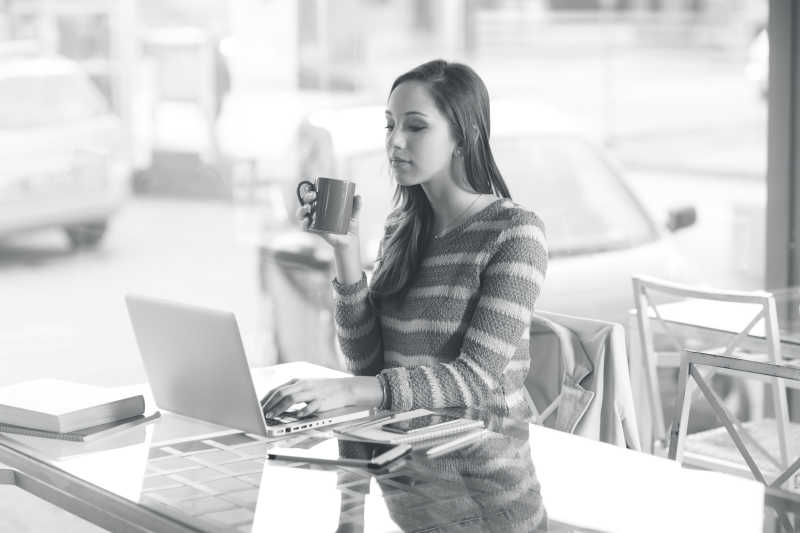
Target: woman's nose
<point>396,139</point>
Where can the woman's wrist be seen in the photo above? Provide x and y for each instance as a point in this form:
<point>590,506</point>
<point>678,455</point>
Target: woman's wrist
<point>348,263</point>
<point>368,391</point>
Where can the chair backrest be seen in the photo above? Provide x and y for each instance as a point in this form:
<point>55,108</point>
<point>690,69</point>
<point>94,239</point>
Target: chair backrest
<point>735,318</point>
<point>690,361</point>
<point>579,379</point>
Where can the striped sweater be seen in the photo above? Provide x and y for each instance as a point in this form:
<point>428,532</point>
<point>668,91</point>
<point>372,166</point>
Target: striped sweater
<point>488,486</point>
<point>460,337</point>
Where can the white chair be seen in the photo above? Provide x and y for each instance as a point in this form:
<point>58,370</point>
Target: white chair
<point>742,312</point>
<point>774,474</point>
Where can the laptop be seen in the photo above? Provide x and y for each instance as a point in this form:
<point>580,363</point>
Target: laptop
<point>196,365</point>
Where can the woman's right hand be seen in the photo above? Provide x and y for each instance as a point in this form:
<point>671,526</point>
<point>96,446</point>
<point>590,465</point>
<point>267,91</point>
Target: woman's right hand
<point>305,213</point>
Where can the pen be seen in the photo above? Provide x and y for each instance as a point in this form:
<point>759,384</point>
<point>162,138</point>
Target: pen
<point>454,444</point>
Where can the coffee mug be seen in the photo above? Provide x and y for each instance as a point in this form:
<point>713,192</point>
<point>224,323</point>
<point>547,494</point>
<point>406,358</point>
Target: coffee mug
<point>334,204</point>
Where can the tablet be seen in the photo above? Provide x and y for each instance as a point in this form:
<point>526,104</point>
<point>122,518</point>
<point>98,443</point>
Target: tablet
<point>343,452</point>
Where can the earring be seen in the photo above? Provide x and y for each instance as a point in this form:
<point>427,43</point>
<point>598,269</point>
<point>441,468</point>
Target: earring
<point>457,152</point>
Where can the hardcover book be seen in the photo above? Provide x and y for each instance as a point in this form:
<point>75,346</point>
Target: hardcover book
<point>64,406</point>
<point>87,434</point>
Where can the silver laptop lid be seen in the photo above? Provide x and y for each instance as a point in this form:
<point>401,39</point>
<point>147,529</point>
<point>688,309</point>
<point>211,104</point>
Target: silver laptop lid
<point>195,362</point>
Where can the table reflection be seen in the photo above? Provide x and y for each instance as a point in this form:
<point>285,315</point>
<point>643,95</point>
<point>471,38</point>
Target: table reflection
<point>489,485</point>
<point>223,482</point>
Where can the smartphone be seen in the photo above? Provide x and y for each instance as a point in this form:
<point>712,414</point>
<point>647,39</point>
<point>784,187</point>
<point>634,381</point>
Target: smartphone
<point>420,423</point>
<point>343,452</point>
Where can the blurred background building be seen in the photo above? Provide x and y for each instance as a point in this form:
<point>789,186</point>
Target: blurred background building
<point>167,68</point>
<point>221,106</point>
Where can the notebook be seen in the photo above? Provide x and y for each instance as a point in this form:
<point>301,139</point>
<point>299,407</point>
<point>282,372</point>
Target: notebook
<point>376,433</point>
<point>83,435</point>
<point>64,406</point>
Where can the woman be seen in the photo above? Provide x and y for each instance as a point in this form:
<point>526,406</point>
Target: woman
<point>444,321</point>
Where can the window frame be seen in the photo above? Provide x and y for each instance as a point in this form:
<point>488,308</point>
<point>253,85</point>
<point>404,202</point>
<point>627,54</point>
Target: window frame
<point>783,146</point>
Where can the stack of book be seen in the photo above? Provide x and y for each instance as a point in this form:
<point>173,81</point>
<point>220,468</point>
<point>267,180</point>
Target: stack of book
<point>66,410</point>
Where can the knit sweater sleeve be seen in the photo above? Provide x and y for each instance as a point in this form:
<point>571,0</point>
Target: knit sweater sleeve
<point>510,283</point>
<point>357,325</point>
<point>357,328</point>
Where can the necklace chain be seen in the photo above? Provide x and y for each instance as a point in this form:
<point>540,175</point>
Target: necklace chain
<point>458,219</point>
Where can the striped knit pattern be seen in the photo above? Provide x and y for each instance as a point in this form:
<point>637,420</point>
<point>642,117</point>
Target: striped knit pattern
<point>490,485</point>
<point>460,338</point>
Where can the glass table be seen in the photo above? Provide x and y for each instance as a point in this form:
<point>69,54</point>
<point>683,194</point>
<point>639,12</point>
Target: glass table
<point>183,474</point>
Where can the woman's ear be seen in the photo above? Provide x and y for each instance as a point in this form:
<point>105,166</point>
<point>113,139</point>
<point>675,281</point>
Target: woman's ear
<point>458,168</point>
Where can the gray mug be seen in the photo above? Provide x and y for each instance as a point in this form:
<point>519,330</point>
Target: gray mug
<point>333,207</point>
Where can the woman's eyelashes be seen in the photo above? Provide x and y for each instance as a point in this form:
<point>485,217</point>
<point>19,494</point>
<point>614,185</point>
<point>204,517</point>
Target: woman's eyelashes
<point>410,127</point>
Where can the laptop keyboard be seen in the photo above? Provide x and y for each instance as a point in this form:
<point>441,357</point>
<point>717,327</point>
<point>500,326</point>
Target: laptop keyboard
<point>287,418</point>
<point>213,480</point>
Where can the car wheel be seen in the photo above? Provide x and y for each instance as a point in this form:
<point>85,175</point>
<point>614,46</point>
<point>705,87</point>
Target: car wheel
<point>86,235</point>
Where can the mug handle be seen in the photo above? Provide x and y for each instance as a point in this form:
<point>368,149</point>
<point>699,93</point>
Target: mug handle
<point>305,184</point>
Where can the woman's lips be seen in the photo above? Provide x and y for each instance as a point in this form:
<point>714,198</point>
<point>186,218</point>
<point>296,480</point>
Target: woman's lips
<point>397,162</point>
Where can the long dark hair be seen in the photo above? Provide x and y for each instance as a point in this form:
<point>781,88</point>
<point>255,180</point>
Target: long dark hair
<point>461,96</point>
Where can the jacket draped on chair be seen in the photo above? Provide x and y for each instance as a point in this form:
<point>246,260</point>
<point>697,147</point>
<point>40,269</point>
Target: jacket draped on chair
<point>578,380</point>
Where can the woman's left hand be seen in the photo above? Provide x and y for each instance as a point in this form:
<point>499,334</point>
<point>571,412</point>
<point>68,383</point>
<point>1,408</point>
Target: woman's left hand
<point>322,395</point>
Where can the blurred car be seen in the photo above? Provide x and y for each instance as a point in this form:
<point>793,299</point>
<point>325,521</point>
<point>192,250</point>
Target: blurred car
<point>63,151</point>
<point>257,132</point>
<point>599,232</point>
<point>261,151</point>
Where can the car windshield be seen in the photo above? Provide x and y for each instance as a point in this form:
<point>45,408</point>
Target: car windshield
<point>583,203</point>
<point>38,100</point>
